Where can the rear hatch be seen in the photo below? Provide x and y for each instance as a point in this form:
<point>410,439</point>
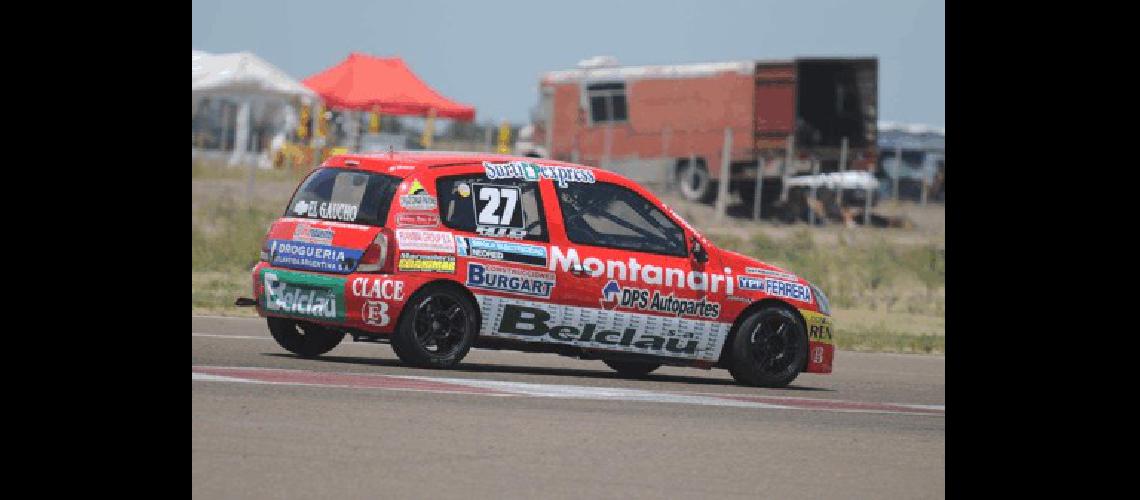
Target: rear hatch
<point>332,219</point>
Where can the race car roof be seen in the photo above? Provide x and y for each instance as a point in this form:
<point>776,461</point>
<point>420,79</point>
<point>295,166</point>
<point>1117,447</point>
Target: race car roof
<point>420,160</point>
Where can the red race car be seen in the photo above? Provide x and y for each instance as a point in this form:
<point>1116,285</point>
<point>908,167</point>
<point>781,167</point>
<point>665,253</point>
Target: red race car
<point>438,252</point>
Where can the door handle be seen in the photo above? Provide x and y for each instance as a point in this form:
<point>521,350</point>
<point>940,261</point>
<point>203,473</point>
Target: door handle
<point>577,270</point>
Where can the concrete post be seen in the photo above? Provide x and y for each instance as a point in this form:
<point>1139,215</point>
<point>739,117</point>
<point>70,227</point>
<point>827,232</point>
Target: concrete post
<point>759,194</point>
<point>867,208</point>
<point>786,171</point>
<point>609,139</point>
<point>898,173</point>
<point>241,135</point>
<point>842,168</point>
<point>814,192</point>
<point>725,175</point>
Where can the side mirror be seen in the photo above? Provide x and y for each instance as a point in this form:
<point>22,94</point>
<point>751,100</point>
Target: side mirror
<point>699,253</point>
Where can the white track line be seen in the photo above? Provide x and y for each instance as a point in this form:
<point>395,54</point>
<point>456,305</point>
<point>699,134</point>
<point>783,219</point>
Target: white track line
<point>559,391</point>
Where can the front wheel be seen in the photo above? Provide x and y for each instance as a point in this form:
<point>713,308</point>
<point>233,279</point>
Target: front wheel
<point>769,349</point>
<point>307,340</point>
<point>632,369</point>
<point>436,329</point>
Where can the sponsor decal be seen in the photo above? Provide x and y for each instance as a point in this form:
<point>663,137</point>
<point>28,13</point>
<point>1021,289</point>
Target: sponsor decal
<point>425,241</point>
<point>375,312</point>
<point>309,234</point>
<point>326,210</point>
<point>794,291</point>
<point>768,272</point>
<point>426,263</point>
<point>506,251</point>
<point>312,256</point>
<point>738,299</point>
<point>532,172</point>
<point>595,328</point>
<point>817,354</point>
<point>416,187</point>
<point>406,219</point>
<point>778,288</point>
<point>418,201</point>
<point>464,190</point>
<point>302,295</point>
<point>501,232</point>
<point>393,168</point>
<point>819,327</point>
<point>640,299</point>
<point>749,283</point>
<point>378,288</point>
<point>634,271</point>
<point>528,282</point>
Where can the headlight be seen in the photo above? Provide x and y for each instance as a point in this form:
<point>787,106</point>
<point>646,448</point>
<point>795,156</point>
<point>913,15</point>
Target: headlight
<point>824,305</point>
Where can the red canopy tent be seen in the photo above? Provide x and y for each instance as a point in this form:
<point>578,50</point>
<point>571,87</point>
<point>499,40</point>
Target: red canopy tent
<point>365,83</point>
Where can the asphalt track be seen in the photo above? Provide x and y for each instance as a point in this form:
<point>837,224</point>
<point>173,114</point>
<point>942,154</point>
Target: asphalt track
<point>355,423</point>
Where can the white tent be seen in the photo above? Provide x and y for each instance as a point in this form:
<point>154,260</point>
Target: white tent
<point>243,72</point>
<point>257,89</point>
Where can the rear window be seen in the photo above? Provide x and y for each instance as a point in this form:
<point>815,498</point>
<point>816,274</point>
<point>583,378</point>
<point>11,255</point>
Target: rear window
<point>337,194</point>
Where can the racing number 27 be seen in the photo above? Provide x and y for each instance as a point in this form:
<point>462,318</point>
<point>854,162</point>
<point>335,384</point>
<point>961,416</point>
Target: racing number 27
<point>490,198</point>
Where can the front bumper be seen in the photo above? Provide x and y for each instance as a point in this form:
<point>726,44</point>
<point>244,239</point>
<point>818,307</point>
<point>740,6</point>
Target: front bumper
<point>821,341</point>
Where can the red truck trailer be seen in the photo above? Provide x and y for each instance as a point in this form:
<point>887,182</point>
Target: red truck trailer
<point>646,122</point>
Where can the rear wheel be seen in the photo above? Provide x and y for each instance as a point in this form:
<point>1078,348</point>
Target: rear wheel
<point>694,181</point>
<point>769,349</point>
<point>304,339</point>
<point>632,369</point>
<point>436,329</point>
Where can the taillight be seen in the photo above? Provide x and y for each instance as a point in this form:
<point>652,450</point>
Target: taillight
<point>264,255</point>
<point>375,256</point>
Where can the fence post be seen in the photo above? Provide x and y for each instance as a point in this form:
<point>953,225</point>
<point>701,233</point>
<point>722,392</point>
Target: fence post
<point>814,192</point>
<point>692,162</point>
<point>898,173</point>
<point>756,197</point>
<point>249,183</point>
<point>609,139</point>
<point>842,168</point>
<point>925,186</point>
<point>789,155</point>
<point>725,175</point>
<point>867,208</point>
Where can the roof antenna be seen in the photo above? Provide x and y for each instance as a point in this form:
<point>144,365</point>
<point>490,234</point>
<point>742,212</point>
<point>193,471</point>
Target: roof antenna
<point>391,150</point>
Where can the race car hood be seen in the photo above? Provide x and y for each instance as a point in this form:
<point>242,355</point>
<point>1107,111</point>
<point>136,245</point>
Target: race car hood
<point>318,245</point>
<point>740,264</point>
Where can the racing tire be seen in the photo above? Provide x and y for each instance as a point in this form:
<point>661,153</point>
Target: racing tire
<point>436,329</point>
<point>632,369</point>
<point>694,181</point>
<point>307,340</point>
<point>769,348</point>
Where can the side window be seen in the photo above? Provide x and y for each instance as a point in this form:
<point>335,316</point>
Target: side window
<point>608,215</point>
<point>508,208</point>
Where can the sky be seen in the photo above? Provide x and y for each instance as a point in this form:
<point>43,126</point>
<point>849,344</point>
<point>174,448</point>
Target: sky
<point>490,53</point>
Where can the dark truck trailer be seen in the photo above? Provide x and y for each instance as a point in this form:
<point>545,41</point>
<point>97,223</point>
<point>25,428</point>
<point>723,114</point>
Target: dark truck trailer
<point>647,121</point>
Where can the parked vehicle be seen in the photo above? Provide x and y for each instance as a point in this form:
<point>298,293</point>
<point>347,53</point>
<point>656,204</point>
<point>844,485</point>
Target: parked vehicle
<point>437,252</point>
<point>647,121</point>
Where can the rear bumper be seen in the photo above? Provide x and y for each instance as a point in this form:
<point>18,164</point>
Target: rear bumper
<point>358,301</point>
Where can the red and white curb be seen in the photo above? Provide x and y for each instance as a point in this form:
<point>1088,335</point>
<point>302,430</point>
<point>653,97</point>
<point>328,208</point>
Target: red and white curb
<point>506,388</point>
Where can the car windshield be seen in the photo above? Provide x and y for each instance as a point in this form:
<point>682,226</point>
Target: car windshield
<point>337,194</point>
